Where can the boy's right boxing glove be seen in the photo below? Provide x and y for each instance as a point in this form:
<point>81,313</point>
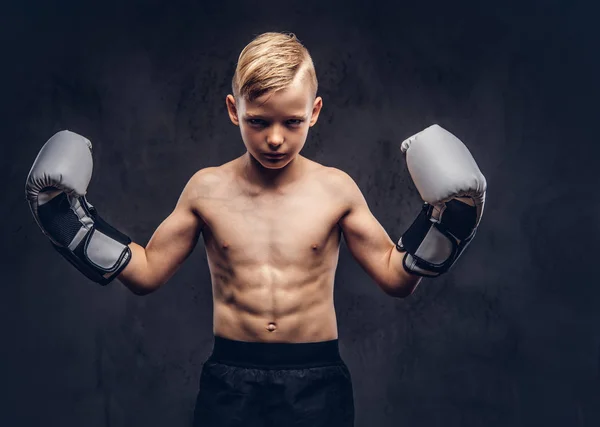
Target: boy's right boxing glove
<point>55,189</point>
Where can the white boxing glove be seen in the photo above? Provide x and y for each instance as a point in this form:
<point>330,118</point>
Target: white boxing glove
<point>55,189</point>
<point>453,189</point>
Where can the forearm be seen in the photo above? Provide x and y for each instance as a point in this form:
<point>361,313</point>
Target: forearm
<point>136,276</point>
<point>402,283</point>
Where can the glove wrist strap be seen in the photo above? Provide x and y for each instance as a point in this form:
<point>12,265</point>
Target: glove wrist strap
<point>88,242</point>
<point>433,245</point>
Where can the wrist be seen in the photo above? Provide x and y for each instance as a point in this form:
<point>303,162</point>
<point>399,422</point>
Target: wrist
<point>403,282</point>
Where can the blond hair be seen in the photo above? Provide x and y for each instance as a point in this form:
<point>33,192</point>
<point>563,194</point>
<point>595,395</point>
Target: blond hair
<point>270,63</point>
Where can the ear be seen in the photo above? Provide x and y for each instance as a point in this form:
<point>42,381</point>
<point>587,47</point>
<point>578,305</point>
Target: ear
<point>232,110</point>
<point>317,105</point>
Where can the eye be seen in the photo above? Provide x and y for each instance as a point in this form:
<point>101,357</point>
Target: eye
<point>256,122</point>
<point>295,122</point>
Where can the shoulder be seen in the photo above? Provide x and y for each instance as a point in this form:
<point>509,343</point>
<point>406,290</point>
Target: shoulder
<point>339,180</point>
<point>337,175</point>
<point>203,183</point>
<point>207,176</point>
<point>341,186</point>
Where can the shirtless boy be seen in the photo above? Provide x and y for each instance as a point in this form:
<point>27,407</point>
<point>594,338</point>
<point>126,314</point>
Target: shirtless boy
<point>271,221</point>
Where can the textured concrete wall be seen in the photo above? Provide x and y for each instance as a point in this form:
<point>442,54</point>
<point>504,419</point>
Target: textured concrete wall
<point>509,338</point>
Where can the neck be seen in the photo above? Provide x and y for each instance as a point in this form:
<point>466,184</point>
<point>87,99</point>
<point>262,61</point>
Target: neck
<point>271,179</point>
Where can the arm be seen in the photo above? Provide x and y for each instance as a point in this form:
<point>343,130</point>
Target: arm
<point>370,244</point>
<point>172,242</point>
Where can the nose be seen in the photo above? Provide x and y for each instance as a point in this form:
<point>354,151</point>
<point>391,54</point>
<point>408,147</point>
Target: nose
<point>275,137</point>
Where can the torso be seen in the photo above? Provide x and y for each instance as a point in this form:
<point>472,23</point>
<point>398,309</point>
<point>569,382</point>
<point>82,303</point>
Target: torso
<point>272,255</point>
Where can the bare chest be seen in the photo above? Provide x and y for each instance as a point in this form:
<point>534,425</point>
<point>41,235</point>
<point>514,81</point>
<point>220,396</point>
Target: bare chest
<point>276,228</point>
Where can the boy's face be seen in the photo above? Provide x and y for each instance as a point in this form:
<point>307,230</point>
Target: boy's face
<point>276,123</point>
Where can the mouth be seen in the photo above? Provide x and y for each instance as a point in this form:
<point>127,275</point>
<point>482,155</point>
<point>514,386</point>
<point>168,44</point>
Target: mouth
<point>274,156</point>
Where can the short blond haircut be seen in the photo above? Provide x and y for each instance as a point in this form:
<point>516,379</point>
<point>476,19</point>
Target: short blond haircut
<point>270,63</point>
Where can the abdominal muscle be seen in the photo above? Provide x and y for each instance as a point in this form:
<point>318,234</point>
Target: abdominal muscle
<point>285,300</point>
<point>287,309</point>
<point>272,260</point>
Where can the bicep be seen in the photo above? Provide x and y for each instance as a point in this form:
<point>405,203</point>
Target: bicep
<point>175,238</point>
<point>367,240</point>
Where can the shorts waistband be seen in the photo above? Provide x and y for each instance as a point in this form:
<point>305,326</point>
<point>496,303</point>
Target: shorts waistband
<point>275,355</point>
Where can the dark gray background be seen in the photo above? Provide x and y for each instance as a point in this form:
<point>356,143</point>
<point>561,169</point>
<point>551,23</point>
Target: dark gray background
<point>509,338</point>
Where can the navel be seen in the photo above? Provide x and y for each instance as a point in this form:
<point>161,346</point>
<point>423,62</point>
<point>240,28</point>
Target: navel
<point>225,245</point>
<point>271,327</point>
<point>315,247</point>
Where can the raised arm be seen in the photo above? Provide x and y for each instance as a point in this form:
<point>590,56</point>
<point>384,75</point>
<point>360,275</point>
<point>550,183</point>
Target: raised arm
<point>172,242</point>
<point>370,244</point>
<point>453,191</point>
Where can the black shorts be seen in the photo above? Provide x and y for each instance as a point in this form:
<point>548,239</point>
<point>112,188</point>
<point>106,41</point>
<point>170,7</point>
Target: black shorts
<point>255,384</point>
